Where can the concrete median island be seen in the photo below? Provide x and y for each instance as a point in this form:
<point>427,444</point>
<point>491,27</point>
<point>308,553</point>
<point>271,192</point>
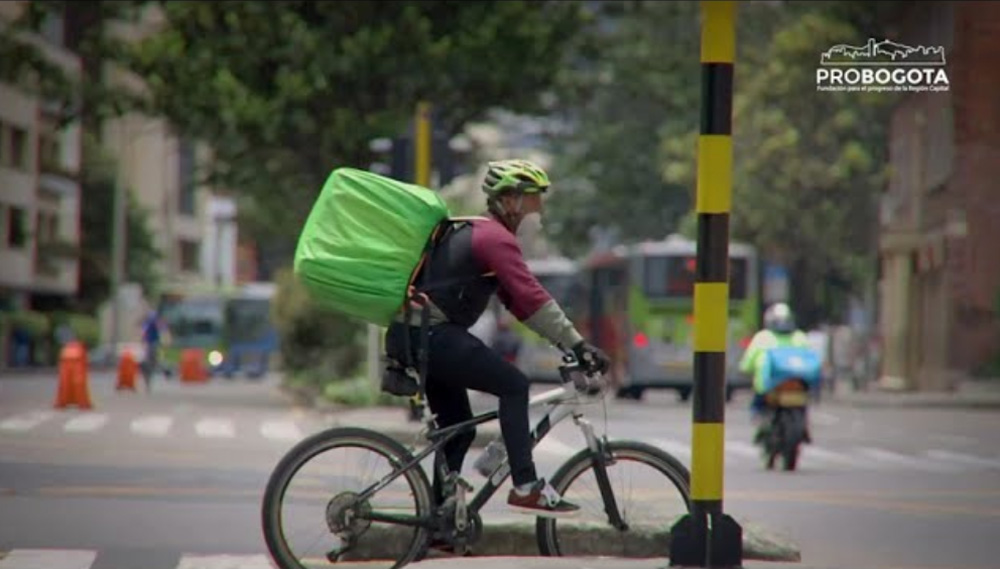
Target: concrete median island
<point>516,538</point>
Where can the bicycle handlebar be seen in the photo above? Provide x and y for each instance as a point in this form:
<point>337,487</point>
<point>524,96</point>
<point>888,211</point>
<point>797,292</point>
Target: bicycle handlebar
<point>583,378</point>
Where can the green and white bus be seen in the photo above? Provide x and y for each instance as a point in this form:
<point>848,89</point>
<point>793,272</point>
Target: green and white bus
<point>232,326</point>
<point>638,305</point>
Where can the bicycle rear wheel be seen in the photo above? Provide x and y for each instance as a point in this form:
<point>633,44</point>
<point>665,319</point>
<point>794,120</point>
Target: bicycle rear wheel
<point>646,502</point>
<point>311,513</point>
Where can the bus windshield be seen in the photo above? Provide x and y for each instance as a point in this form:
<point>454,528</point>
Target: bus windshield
<point>248,320</point>
<point>193,322</point>
<point>673,276</point>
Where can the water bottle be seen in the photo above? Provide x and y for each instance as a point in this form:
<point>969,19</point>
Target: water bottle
<point>493,455</point>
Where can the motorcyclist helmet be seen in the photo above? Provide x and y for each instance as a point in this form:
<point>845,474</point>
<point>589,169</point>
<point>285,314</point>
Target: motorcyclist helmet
<point>778,318</point>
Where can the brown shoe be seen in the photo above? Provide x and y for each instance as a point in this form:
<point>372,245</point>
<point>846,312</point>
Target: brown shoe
<point>542,501</point>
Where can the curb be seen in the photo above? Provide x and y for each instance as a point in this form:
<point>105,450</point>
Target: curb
<point>901,402</point>
<point>517,539</point>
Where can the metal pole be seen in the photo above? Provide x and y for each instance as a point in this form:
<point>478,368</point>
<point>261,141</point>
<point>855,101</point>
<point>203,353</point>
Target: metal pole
<point>422,163</point>
<point>118,238</point>
<point>707,537</point>
<point>422,145</point>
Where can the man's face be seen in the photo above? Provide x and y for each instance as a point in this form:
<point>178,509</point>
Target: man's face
<point>530,203</point>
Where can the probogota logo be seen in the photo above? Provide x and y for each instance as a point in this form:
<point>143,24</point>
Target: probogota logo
<point>884,66</point>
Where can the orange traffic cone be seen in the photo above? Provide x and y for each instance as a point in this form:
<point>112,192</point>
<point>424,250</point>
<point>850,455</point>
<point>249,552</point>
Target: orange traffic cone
<point>192,366</point>
<point>73,388</point>
<point>128,368</point>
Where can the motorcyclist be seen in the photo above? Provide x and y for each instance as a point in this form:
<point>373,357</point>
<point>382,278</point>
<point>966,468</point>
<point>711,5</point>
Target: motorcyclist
<point>779,330</point>
<point>480,257</point>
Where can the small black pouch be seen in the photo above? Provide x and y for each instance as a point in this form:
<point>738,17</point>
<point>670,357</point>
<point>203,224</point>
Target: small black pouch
<point>397,381</point>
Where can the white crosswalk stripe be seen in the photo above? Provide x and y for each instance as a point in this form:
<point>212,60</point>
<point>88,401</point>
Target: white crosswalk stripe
<point>957,457</point>
<point>554,449</point>
<point>813,453</point>
<point>909,462</point>
<point>224,562</point>
<point>26,421</point>
<point>741,449</point>
<point>84,559</point>
<point>680,450</point>
<point>281,431</point>
<point>215,428</point>
<point>152,426</point>
<point>48,559</point>
<point>85,423</point>
<point>554,446</point>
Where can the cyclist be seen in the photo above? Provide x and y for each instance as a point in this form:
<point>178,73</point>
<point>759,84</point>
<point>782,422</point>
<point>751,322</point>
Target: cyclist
<point>480,257</point>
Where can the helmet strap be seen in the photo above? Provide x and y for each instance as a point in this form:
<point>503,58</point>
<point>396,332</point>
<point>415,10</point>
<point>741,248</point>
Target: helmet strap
<point>508,218</point>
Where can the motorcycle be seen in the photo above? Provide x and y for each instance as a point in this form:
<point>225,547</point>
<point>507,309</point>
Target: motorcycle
<point>786,429</point>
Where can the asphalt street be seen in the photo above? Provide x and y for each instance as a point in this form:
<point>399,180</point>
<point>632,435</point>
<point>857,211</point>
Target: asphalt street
<point>174,478</point>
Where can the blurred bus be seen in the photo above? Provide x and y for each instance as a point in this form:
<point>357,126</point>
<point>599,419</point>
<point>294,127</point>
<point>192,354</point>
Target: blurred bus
<point>638,305</point>
<point>538,359</point>
<point>232,326</point>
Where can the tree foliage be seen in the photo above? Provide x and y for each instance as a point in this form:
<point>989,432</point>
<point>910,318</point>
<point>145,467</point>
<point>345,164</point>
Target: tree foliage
<point>285,91</point>
<point>808,165</point>
<point>98,188</point>
<point>635,83</point>
<point>85,95</point>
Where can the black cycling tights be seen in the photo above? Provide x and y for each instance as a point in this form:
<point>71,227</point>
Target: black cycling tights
<point>459,361</point>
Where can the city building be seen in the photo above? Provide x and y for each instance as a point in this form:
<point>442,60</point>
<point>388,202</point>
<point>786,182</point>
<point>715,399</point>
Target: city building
<point>39,185</point>
<point>194,225</point>
<point>940,269</point>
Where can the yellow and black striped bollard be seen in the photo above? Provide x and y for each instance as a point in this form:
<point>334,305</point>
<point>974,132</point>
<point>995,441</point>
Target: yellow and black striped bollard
<point>707,537</point>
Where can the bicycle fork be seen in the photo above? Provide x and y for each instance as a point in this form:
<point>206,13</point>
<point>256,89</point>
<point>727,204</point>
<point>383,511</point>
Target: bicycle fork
<point>601,457</point>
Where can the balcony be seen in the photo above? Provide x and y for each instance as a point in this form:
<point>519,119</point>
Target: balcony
<point>56,267</point>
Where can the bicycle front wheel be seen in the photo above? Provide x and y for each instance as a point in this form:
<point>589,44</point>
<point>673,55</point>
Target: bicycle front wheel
<point>651,491</point>
<point>312,513</point>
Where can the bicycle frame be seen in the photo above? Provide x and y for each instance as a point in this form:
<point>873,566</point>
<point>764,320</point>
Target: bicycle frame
<point>564,401</point>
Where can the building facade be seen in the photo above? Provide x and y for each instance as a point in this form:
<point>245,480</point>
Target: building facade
<point>940,222</point>
<point>39,186</point>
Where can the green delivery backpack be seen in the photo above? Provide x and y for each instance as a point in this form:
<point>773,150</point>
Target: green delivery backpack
<point>363,241</point>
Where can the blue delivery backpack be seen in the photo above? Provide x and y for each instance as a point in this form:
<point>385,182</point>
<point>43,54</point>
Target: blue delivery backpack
<point>787,362</point>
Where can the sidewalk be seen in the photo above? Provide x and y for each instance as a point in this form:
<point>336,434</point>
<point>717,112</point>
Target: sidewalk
<point>582,563</point>
<point>981,394</point>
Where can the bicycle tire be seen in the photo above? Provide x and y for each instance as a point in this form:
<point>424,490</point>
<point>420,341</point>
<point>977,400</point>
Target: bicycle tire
<point>308,448</point>
<point>546,529</point>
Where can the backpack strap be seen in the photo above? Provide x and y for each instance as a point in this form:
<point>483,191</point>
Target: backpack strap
<point>417,298</point>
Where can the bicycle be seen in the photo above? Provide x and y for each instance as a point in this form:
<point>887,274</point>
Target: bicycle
<point>348,516</point>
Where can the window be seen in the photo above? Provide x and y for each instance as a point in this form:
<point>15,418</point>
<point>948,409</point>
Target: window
<point>50,141</point>
<point>18,148</point>
<point>13,147</point>
<point>47,227</point>
<point>187,252</point>
<point>674,277</point>
<point>186,182</point>
<point>17,234</point>
<point>48,153</point>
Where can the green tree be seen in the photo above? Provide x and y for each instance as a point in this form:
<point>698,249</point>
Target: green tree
<point>142,255</point>
<point>808,165</point>
<point>634,83</point>
<point>86,97</point>
<point>284,92</point>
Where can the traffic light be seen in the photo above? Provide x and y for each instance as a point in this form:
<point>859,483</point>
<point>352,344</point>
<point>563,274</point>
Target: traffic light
<point>399,155</point>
